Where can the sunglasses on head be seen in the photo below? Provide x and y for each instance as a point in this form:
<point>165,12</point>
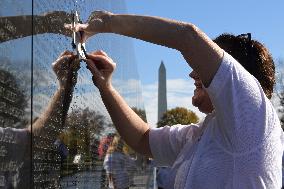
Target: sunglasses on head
<point>249,44</point>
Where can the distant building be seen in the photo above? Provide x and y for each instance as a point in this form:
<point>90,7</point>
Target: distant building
<point>162,91</point>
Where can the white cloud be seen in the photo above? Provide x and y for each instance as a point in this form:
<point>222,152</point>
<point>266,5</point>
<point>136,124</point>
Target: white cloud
<point>179,93</point>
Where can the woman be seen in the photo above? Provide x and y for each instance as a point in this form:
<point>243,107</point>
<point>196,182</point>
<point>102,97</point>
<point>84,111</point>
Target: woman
<point>118,165</point>
<point>239,144</point>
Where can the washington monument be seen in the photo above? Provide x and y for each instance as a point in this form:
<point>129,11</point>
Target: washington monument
<point>162,91</point>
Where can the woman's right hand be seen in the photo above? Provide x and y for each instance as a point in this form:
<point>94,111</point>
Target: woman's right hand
<point>101,67</point>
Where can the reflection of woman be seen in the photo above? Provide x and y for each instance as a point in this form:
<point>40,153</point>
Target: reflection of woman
<point>15,144</point>
<point>117,165</point>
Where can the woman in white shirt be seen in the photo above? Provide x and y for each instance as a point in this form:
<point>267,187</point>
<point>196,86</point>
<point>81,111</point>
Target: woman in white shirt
<point>239,144</point>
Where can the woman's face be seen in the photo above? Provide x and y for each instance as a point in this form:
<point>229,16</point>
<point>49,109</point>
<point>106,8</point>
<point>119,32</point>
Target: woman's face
<point>200,97</point>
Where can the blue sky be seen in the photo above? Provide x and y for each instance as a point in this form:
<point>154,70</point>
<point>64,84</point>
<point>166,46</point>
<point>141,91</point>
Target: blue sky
<point>264,19</point>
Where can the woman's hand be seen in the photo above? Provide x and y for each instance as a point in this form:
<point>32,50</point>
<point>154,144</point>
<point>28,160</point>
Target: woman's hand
<point>102,67</point>
<point>65,68</point>
<point>97,23</point>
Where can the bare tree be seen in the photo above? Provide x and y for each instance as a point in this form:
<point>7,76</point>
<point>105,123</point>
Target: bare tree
<point>279,90</point>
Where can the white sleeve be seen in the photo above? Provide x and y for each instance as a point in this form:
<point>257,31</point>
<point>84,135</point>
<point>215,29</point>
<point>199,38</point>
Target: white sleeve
<point>107,163</point>
<point>167,142</point>
<point>243,112</point>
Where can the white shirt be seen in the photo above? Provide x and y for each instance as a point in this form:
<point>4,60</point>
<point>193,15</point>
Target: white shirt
<point>238,146</point>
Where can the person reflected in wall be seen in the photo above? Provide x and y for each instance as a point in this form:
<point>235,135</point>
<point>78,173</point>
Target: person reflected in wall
<point>102,150</point>
<point>118,165</point>
<point>239,143</point>
<point>104,145</point>
<point>15,143</point>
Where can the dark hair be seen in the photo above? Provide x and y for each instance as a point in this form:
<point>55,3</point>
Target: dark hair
<point>253,56</point>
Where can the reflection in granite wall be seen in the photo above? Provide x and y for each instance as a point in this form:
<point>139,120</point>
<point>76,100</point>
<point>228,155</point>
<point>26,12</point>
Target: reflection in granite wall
<point>67,150</point>
<point>15,74</point>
